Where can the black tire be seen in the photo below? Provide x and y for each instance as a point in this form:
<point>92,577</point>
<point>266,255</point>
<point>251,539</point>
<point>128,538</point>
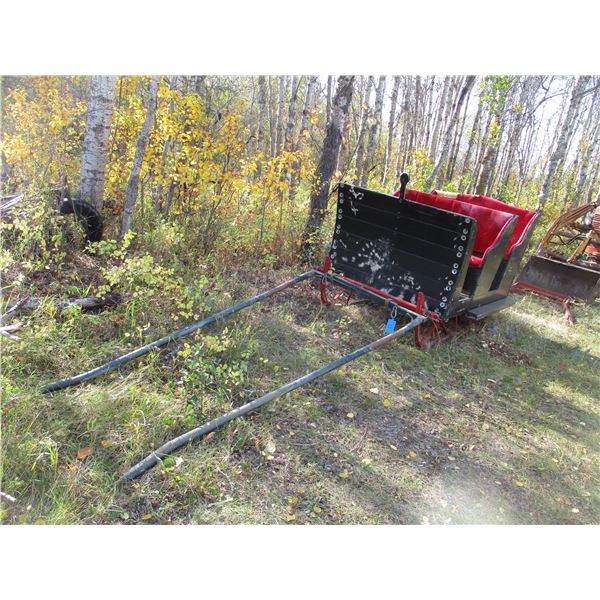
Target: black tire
<point>90,218</point>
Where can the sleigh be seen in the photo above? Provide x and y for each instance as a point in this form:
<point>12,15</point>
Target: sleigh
<point>428,258</point>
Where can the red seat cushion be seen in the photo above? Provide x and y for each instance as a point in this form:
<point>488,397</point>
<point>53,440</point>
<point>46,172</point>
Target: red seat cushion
<point>525,217</point>
<point>491,222</point>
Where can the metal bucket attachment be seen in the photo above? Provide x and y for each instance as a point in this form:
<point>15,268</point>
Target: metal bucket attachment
<point>401,247</point>
<point>559,279</point>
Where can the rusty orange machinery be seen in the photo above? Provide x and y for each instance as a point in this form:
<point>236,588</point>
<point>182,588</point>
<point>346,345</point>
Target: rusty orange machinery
<point>566,264</point>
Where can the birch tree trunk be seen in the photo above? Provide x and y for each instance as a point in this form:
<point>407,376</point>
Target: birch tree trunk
<point>582,176</point>
<point>564,138</point>
<point>482,144</point>
<point>438,120</point>
<point>528,91</point>
<point>590,137</point>
<point>272,124</point>
<point>473,134</point>
<point>391,122</point>
<point>310,89</point>
<point>374,131</point>
<point>409,125</point>
<point>360,146</point>
<point>429,111</point>
<point>487,164</point>
<point>328,160</point>
<point>291,122</point>
<point>417,118</point>
<point>142,144</point>
<point>262,117</point>
<point>458,136</point>
<point>95,143</point>
<point>329,93</point>
<point>279,126</point>
<point>433,178</point>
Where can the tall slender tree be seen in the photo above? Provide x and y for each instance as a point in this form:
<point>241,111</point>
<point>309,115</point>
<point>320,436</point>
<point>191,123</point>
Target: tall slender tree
<point>304,122</point>
<point>95,143</point>
<point>447,139</point>
<point>360,145</point>
<point>374,131</point>
<point>142,144</point>
<point>566,133</point>
<point>329,93</point>
<point>262,117</point>
<point>279,126</point>
<point>391,123</point>
<point>439,118</point>
<point>291,120</point>
<point>327,162</point>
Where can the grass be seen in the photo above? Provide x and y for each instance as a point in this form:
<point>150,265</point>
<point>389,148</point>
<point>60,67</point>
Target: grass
<point>499,424</point>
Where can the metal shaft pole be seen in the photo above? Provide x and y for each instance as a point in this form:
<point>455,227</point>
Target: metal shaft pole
<point>117,362</point>
<point>198,432</point>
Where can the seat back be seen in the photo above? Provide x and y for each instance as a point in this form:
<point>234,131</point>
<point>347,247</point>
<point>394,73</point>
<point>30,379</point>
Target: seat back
<point>402,247</point>
<point>525,222</point>
<point>491,222</point>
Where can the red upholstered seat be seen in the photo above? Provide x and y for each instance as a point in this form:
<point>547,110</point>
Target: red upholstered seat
<point>525,217</point>
<point>491,222</point>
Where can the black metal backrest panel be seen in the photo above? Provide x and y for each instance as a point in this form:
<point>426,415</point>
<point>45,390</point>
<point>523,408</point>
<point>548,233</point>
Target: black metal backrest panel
<point>402,247</point>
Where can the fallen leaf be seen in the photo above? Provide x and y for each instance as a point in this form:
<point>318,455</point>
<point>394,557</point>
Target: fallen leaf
<point>106,443</point>
<point>146,517</point>
<point>291,518</point>
<point>83,453</point>
<point>426,395</point>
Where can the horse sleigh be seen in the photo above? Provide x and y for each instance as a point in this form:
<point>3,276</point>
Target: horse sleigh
<point>428,257</point>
